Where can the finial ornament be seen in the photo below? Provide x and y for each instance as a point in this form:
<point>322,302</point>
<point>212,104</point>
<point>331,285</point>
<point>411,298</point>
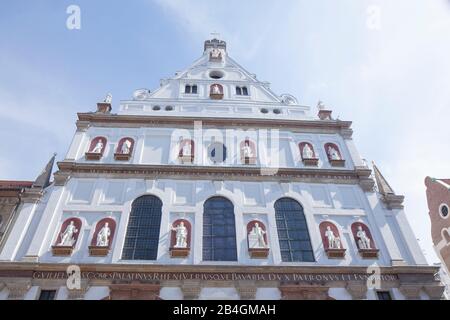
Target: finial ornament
<point>108,98</point>
<point>215,34</point>
<point>320,105</point>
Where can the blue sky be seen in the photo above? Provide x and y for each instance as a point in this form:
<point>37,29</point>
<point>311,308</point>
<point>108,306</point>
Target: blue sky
<point>382,64</point>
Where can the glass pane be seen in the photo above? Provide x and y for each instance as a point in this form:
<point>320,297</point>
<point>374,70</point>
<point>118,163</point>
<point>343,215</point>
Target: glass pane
<point>142,237</point>
<point>219,231</point>
<point>294,239</point>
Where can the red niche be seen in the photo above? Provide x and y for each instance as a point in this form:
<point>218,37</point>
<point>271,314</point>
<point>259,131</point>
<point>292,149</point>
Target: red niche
<point>244,158</point>
<point>121,144</point>
<point>323,228</point>
<point>112,227</point>
<point>77,223</point>
<point>302,145</point>
<point>216,89</point>
<point>173,234</point>
<point>332,145</point>
<point>183,144</point>
<point>252,223</point>
<point>93,148</point>
<point>355,228</point>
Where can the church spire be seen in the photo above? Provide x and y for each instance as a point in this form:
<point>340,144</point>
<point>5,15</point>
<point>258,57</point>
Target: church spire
<point>388,195</point>
<point>43,180</point>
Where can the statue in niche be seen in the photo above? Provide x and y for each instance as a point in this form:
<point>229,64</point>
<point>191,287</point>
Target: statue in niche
<point>67,237</point>
<point>256,237</point>
<point>307,152</point>
<point>247,150</point>
<point>108,98</point>
<point>333,241</point>
<point>103,236</point>
<point>333,153</point>
<point>181,235</point>
<point>126,147</point>
<point>186,151</point>
<point>98,147</point>
<point>216,89</point>
<point>216,54</point>
<point>363,239</point>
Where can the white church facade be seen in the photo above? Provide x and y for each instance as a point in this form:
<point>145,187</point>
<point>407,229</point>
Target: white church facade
<point>213,187</point>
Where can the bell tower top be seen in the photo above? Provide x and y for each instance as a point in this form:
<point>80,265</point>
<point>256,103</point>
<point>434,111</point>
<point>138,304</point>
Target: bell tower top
<point>215,44</point>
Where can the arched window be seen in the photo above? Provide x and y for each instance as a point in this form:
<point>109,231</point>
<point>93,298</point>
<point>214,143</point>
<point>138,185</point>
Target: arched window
<point>217,152</point>
<point>295,243</point>
<point>219,231</point>
<point>142,238</point>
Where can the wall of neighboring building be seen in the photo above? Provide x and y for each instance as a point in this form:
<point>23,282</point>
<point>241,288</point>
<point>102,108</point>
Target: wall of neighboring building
<point>438,194</point>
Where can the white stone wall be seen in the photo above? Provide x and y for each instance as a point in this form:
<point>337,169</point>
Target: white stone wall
<point>94,199</point>
<point>160,146</point>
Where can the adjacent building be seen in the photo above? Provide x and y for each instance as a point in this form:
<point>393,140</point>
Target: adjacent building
<point>213,186</point>
<point>438,197</point>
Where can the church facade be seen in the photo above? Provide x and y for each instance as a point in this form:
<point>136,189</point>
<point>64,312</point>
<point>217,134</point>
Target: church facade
<point>214,187</point>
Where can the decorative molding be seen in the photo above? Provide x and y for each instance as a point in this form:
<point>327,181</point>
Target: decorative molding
<point>18,288</point>
<point>358,290</point>
<point>70,168</point>
<point>136,121</point>
<point>411,291</point>
<point>78,294</point>
<point>191,289</point>
<point>304,292</point>
<point>246,289</point>
<point>435,291</point>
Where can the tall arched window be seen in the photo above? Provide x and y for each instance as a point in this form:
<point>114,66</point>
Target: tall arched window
<point>219,231</point>
<point>142,238</point>
<point>295,243</point>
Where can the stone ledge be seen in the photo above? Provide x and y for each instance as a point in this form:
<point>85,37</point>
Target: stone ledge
<point>122,156</point>
<point>93,156</point>
<point>258,253</point>
<point>311,162</point>
<point>179,252</point>
<point>96,251</point>
<point>369,253</point>
<point>335,253</point>
<point>62,251</point>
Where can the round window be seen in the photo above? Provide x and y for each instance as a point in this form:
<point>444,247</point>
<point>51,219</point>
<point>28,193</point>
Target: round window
<point>169,108</point>
<point>216,74</point>
<point>156,108</point>
<point>443,210</point>
<point>264,110</point>
<point>217,152</point>
<point>276,111</point>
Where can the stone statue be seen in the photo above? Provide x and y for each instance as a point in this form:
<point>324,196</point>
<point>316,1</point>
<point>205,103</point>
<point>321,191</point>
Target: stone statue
<point>216,54</point>
<point>307,152</point>
<point>126,147</point>
<point>67,237</point>
<point>181,235</point>
<point>256,237</point>
<point>108,98</point>
<point>98,147</point>
<point>333,153</point>
<point>363,239</point>
<point>333,241</point>
<point>103,236</point>
<point>186,150</point>
<point>247,150</point>
<point>216,89</point>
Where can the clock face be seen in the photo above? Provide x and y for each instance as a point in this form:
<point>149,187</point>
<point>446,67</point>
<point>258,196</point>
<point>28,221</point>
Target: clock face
<point>141,94</point>
<point>217,152</point>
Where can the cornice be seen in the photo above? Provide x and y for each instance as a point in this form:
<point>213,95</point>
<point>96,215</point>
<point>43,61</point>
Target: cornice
<point>69,169</point>
<point>133,121</point>
<point>25,268</point>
